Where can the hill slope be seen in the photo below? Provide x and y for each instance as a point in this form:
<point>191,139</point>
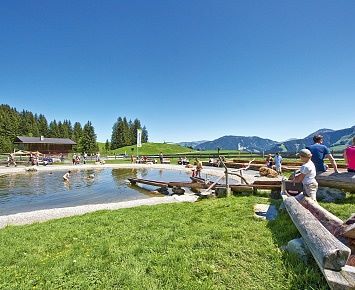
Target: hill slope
<point>192,144</point>
<point>148,149</point>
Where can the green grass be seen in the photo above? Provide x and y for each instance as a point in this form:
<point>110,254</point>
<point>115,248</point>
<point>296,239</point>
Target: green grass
<point>343,208</point>
<point>147,149</point>
<point>212,244</point>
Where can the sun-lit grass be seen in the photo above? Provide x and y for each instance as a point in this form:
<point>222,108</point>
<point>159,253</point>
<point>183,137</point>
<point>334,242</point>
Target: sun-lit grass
<point>342,208</point>
<point>212,244</point>
<point>147,149</point>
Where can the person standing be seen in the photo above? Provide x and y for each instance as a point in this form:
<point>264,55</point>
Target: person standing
<point>61,157</point>
<point>319,152</point>
<point>85,157</point>
<point>198,168</point>
<point>278,161</point>
<point>74,159</point>
<point>307,175</point>
<point>161,157</point>
<point>11,160</point>
<point>349,156</point>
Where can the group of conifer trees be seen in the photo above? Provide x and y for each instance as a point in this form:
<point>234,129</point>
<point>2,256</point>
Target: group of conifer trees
<point>14,123</point>
<point>124,133</point>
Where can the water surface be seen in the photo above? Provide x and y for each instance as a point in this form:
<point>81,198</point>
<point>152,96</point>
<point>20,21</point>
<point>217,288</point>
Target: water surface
<point>45,190</point>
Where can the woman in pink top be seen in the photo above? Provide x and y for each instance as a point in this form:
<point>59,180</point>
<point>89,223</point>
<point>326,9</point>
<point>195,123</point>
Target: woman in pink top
<point>349,156</point>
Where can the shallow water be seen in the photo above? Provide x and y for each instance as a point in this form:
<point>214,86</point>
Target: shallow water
<point>45,190</point>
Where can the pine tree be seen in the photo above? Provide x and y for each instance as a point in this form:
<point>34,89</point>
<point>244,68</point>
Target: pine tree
<point>42,125</point>
<point>9,127</point>
<point>127,134</point>
<point>66,129</point>
<point>115,134</point>
<point>144,135</point>
<point>107,145</point>
<point>28,124</point>
<point>77,132</point>
<point>88,139</point>
<point>136,125</point>
<point>54,129</point>
<point>130,128</point>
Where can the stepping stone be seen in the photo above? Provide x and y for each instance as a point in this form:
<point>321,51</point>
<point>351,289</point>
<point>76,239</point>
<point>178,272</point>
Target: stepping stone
<point>265,211</point>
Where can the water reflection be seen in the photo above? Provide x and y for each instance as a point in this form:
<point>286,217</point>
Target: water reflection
<point>42,190</point>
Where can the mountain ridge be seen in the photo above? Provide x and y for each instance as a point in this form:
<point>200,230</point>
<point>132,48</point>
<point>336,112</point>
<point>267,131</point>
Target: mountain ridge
<point>335,139</point>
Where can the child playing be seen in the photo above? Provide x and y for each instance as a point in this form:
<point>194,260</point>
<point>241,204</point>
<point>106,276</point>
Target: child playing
<point>66,176</point>
<point>198,168</point>
<point>307,175</point>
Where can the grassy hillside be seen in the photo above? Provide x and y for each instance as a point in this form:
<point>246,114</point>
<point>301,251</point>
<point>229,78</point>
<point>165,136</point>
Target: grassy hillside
<point>148,149</point>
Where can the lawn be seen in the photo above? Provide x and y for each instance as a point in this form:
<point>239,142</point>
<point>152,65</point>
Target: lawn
<point>147,149</point>
<point>212,244</point>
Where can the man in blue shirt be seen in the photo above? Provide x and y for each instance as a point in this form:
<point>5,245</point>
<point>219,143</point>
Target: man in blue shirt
<point>319,152</point>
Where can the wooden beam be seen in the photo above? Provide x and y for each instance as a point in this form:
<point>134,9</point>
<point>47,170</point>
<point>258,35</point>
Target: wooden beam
<point>341,280</point>
<point>148,182</point>
<point>343,180</point>
<point>331,222</point>
<point>242,188</point>
<point>327,250</point>
<point>268,182</point>
<point>348,231</point>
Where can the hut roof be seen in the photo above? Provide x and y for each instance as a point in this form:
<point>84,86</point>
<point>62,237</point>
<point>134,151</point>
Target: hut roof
<point>43,140</point>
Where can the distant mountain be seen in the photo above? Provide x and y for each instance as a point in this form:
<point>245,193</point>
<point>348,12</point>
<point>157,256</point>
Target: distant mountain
<point>320,132</point>
<point>191,144</point>
<point>251,144</point>
<point>291,139</point>
<point>335,139</point>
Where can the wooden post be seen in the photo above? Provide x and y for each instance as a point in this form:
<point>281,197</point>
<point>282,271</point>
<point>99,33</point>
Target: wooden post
<point>326,249</point>
<point>228,190</point>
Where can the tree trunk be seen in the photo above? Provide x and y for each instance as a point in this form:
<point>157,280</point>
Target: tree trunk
<point>327,250</point>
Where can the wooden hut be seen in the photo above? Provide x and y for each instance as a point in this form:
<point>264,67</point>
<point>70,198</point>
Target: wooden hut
<point>45,145</point>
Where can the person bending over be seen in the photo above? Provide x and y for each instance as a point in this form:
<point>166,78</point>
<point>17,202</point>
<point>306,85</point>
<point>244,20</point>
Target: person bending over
<point>66,176</point>
<point>307,175</point>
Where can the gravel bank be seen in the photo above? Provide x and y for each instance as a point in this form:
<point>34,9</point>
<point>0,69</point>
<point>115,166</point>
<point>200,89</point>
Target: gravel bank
<point>56,213</point>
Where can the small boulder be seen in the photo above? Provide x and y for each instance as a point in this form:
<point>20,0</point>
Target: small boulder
<point>327,194</point>
<point>163,190</point>
<point>265,211</point>
<point>220,191</point>
<point>178,190</point>
<point>298,247</point>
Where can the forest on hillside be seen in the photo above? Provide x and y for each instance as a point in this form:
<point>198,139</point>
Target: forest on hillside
<point>26,123</point>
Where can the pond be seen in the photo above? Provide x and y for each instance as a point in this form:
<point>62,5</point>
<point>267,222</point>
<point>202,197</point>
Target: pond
<point>45,190</point>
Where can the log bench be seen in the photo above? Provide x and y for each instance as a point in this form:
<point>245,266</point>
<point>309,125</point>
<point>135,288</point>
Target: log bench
<point>320,231</point>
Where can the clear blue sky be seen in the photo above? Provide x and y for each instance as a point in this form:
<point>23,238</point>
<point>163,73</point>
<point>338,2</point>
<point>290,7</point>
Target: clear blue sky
<point>189,70</point>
